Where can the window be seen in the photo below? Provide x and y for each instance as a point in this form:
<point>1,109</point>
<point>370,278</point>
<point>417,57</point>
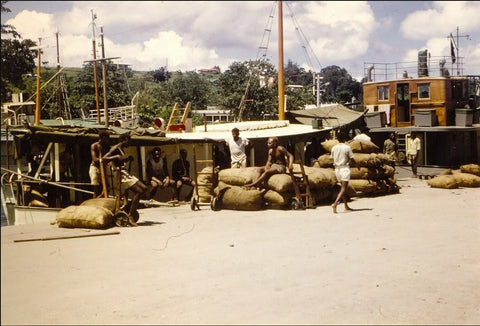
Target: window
<point>423,91</point>
<point>383,93</point>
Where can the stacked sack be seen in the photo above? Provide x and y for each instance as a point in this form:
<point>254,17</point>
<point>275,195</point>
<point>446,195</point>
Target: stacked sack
<point>279,188</point>
<point>371,175</point>
<point>468,176</point>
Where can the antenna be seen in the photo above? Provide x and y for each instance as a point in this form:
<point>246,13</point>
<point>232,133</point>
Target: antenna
<point>456,45</point>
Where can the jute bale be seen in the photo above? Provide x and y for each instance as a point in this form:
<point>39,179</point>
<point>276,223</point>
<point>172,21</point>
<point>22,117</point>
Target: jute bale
<point>320,178</point>
<point>280,182</point>
<point>368,160</point>
<point>363,146</point>
<point>324,161</point>
<point>361,172</point>
<point>273,197</point>
<point>466,179</point>
<point>328,144</point>
<point>238,198</point>
<point>363,185</point>
<point>445,181</point>
<point>204,178</point>
<point>90,217</point>
<point>108,203</point>
<point>238,177</point>
<point>470,168</point>
<point>388,171</point>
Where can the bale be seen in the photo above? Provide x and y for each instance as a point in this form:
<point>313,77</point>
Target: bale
<point>320,178</point>
<point>443,181</point>
<point>90,217</point>
<point>324,161</point>
<point>280,182</point>
<point>108,203</point>
<point>238,198</point>
<point>362,185</point>
<point>367,160</point>
<point>470,168</point>
<point>466,179</point>
<point>363,146</point>
<point>238,177</point>
<point>328,144</point>
<point>274,198</point>
<point>361,172</point>
<point>205,189</point>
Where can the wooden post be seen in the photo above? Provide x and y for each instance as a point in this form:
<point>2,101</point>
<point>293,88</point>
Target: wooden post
<point>281,92</point>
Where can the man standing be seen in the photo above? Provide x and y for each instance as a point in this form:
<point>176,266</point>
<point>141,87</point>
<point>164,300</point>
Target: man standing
<point>342,155</point>
<point>413,147</point>
<point>390,148</point>
<point>97,151</point>
<point>276,162</point>
<point>117,155</point>
<point>238,148</point>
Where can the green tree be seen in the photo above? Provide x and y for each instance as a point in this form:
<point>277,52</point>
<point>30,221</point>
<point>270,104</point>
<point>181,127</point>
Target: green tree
<point>342,87</point>
<point>17,60</point>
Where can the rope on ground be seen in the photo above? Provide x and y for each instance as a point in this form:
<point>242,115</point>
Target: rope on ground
<point>176,236</point>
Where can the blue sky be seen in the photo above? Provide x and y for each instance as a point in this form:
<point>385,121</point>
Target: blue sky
<point>191,35</point>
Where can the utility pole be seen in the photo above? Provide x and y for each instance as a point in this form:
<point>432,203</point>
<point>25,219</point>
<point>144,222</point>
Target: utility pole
<point>95,81</point>
<point>59,83</point>
<point>39,69</point>
<point>281,91</point>
<point>104,79</point>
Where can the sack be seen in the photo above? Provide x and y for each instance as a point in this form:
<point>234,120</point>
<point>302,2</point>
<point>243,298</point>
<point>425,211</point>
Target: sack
<point>89,217</point>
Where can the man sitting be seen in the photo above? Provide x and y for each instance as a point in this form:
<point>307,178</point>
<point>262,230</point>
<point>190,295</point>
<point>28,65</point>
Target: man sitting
<point>157,173</point>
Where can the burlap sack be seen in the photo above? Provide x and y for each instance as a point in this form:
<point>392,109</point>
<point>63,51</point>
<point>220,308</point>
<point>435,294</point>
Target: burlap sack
<point>367,160</point>
<point>280,182</point>
<point>238,177</point>
<point>362,185</point>
<point>470,168</point>
<point>238,198</point>
<point>108,203</point>
<point>320,178</point>
<point>205,188</point>
<point>466,179</point>
<point>274,198</point>
<point>361,172</point>
<point>363,146</point>
<point>443,181</point>
<point>324,161</point>
<point>90,217</point>
<point>328,144</point>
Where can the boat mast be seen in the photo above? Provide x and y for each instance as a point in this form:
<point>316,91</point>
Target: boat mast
<point>59,81</point>
<point>104,79</point>
<point>39,69</point>
<point>95,66</point>
<point>281,91</point>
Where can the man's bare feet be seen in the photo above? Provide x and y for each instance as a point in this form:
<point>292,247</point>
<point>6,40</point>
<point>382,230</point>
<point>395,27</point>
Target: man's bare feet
<point>334,207</point>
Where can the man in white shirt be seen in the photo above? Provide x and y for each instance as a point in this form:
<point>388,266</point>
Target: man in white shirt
<point>238,148</point>
<point>342,155</point>
<point>413,147</point>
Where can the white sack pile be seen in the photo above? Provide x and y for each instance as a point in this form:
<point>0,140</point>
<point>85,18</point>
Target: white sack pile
<point>467,176</point>
<point>371,175</point>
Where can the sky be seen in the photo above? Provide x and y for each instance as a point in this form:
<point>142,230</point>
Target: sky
<point>194,35</point>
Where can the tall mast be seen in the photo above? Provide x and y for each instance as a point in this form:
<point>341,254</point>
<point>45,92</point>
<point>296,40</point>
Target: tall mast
<point>59,82</point>
<point>37,104</point>
<point>104,79</point>
<point>95,81</point>
<point>281,91</point>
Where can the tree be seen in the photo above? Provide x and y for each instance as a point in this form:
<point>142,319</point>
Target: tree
<point>17,60</point>
<point>342,86</point>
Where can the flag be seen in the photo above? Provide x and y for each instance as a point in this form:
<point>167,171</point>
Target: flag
<point>452,50</point>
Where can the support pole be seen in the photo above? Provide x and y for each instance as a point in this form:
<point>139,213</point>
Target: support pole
<point>281,91</point>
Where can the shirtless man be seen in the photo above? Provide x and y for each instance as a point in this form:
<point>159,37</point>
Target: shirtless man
<point>97,150</point>
<point>276,163</point>
<point>128,181</point>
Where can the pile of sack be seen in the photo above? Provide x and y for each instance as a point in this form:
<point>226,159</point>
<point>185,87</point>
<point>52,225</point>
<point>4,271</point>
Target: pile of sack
<point>467,176</point>
<point>373,173</point>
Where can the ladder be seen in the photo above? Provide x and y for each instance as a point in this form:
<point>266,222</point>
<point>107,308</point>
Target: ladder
<point>303,196</point>
<point>178,118</point>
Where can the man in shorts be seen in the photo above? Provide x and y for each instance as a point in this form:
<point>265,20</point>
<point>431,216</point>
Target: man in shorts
<point>276,162</point>
<point>342,155</point>
<point>97,150</point>
<point>128,182</point>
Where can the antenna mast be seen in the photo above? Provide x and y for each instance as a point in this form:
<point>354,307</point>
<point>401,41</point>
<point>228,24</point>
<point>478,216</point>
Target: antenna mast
<point>95,81</point>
